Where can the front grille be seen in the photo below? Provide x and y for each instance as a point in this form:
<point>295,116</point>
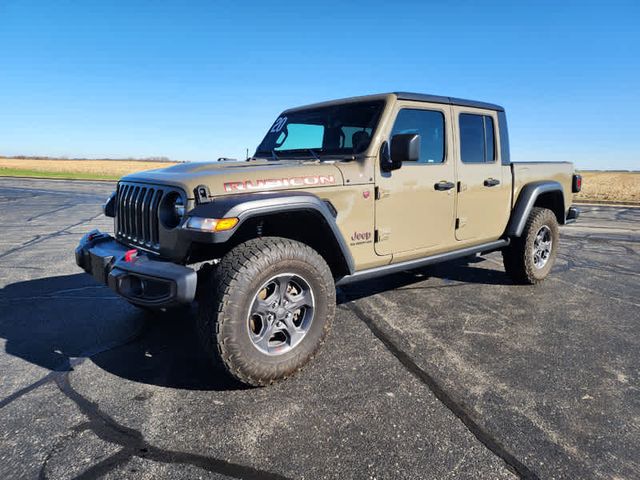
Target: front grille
<point>137,213</point>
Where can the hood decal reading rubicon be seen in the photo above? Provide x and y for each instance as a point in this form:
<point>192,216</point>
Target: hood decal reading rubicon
<point>306,181</point>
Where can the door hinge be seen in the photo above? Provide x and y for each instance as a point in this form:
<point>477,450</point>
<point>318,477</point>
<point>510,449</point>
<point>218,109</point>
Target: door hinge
<point>380,193</point>
<point>201,193</point>
<point>457,223</point>
<point>460,222</point>
<point>380,235</point>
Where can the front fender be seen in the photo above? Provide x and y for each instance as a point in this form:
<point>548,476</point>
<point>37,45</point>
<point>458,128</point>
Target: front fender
<point>247,206</point>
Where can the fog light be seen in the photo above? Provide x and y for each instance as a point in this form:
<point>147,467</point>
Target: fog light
<point>131,286</point>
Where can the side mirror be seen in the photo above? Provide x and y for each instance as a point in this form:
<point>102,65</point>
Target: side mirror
<point>405,147</point>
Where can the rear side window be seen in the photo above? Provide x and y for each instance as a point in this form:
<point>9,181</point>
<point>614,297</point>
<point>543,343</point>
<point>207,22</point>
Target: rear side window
<point>477,138</point>
<point>429,124</point>
<point>489,140</point>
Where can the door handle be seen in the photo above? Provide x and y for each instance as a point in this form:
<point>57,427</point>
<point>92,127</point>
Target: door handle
<point>444,185</point>
<point>491,182</point>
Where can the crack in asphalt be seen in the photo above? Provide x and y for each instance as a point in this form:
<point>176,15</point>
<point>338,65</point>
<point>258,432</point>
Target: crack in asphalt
<point>56,447</point>
<point>134,445</point>
<point>55,210</point>
<point>65,294</point>
<point>131,441</point>
<point>462,412</point>
<point>41,238</point>
<point>67,365</point>
<point>29,388</point>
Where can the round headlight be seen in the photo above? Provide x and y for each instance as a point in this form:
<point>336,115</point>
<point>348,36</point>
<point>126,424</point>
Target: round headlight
<point>172,210</point>
<point>109,206</point>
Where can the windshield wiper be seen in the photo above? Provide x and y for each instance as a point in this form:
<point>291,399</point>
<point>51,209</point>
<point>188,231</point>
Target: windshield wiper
<point>315,155</point>
<point>274,156</point>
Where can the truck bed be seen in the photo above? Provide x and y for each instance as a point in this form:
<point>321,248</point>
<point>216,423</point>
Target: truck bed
<point>528,172</point>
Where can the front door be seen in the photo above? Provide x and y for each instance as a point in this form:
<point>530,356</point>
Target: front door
<point>484,194</point>
<point>415,204</point>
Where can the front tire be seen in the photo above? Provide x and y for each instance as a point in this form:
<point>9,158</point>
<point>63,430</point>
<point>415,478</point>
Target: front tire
<point>266,308</point>
<point>529,258</point>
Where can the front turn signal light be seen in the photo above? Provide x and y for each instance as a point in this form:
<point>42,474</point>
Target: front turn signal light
<point>226,224</point>
<point>211,224</point>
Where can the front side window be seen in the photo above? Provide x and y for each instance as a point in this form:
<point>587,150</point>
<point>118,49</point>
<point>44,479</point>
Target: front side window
<point>335,130</point>
<point>429,124</point>
<point>477,138</point>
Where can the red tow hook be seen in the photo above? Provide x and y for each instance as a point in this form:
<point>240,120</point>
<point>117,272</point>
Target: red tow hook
<point>130,255</point>
<point>91,236</point>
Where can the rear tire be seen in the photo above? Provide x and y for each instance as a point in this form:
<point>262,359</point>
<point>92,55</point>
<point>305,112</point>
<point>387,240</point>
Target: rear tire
<point>530,257</point>
<point>265,309</point>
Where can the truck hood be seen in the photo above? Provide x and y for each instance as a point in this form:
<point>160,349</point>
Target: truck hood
<point>226,178</point>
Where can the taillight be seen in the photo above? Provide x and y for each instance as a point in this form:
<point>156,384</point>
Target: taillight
<point>577,183</point>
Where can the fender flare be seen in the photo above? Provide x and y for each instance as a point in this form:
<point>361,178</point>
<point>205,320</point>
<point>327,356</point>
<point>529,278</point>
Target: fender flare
<point>526,200</point>
<point>251,205</point>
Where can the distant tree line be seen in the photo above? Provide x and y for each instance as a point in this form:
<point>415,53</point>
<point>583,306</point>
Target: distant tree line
<point>129,159</point>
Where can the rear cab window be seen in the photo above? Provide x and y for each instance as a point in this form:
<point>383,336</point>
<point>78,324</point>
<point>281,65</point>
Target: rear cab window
<point>477,138</point>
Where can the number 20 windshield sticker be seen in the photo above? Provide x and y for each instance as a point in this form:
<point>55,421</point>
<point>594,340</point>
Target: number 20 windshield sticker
<point>279,123</point>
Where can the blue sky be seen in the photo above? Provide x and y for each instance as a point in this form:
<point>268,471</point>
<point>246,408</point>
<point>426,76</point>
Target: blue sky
<point>201,79</point>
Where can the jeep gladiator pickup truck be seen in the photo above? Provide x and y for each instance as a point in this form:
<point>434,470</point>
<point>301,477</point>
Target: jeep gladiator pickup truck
<point>337,192</point>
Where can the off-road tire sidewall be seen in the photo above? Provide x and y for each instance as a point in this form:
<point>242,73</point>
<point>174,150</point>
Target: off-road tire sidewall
<point>226,300</point>
<point>518,257</point>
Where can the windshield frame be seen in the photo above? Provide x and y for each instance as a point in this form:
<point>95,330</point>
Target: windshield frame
<point>318,153</point>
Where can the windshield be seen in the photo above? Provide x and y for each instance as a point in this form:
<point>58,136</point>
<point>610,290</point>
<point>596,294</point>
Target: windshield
<point>336,130</point>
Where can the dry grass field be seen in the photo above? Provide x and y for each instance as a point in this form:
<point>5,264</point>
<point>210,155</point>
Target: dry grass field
<point>85,169</point>
<point>596,186</point>
<point>610,187</point>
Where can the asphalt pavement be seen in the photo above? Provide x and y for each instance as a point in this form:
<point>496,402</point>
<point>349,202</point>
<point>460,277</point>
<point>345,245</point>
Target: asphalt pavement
<point>446,372</point>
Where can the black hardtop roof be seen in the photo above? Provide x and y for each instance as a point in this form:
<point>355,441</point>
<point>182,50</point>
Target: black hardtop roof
<point>418,97</point>
<point>422,97</point>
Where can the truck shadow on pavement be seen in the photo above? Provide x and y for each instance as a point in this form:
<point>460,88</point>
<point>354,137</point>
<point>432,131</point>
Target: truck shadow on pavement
<point>460,270</point>
<point>49,321</point>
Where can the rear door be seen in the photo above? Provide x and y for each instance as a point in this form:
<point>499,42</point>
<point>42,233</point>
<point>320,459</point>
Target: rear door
<point>484,194</point>
<point>411,213</point>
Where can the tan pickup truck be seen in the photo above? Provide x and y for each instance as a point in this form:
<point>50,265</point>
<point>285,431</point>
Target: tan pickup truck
<point>336,192</point>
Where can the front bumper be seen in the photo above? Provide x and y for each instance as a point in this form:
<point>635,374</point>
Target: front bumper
<point>140,279</point>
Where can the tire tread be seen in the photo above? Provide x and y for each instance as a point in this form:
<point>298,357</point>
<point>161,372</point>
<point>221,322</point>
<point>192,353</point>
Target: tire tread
<point>231,273</point>
<point>517,257</point>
